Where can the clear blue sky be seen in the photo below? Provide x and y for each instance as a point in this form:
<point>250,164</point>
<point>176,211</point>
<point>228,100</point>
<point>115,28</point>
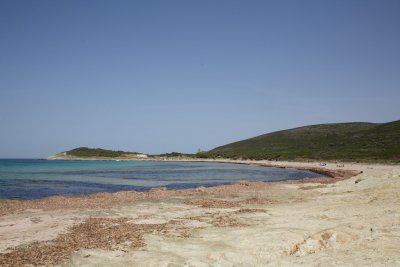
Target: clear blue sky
<point>162,76</point>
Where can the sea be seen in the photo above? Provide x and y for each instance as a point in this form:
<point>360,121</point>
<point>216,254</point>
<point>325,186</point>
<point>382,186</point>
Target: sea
<point>34,178</point>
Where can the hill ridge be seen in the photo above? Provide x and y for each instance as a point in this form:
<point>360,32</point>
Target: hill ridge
<point>330,141</point>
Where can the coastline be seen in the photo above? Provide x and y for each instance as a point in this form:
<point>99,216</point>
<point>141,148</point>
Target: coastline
<point>317,220</point>
<point>309,165</point>
<point>106,199</point>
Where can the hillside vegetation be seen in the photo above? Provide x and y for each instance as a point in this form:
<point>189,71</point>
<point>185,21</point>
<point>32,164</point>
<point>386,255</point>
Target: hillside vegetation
<point>339,141</point>
<point>85,152</point>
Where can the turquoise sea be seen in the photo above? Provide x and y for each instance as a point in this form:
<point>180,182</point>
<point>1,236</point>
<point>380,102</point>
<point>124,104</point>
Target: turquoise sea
<point>33,179</point>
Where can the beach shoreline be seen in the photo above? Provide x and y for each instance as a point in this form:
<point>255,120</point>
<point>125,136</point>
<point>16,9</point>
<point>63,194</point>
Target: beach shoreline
<point>107,199</point>
<point>317,220</point>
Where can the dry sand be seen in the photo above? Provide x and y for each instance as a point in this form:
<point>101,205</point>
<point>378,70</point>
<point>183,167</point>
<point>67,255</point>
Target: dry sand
<point>351,222</point>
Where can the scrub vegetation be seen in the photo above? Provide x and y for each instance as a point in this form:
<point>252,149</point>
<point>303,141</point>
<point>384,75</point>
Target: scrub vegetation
<point>356,141</point>
<point>86,152</point>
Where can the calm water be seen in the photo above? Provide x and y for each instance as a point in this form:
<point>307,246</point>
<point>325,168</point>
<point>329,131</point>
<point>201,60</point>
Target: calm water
<point>32,179</point>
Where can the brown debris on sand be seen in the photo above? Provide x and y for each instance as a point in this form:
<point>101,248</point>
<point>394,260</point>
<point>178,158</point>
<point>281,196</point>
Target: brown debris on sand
<point>226,221</point>
<point>211,203</point>
<point>331,176</point>
<point>102,233</point>
<point>218,220</point>
<point>242,210</point>
<point>256,201</point>
<point>92,201</point>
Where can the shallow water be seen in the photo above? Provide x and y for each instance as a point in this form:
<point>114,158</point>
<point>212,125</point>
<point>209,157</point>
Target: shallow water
<point>33,179</point>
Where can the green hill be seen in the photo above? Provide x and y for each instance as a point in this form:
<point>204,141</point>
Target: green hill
<point>85,152</point>
<point>338,141</point>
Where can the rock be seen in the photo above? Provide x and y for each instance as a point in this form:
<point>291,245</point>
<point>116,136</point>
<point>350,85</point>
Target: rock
<point>322,240</point>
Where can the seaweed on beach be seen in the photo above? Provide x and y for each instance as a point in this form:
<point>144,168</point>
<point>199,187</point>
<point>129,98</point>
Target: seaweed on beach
<point>211,203</point>
<point>93,233</point>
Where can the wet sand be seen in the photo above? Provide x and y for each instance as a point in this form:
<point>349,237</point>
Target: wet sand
<point>351,219</point>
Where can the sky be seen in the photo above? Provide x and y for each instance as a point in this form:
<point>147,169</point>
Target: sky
<point>162,76</point>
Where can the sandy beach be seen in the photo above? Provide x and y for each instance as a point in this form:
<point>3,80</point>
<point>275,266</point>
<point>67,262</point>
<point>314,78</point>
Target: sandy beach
<point>352,219</point>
